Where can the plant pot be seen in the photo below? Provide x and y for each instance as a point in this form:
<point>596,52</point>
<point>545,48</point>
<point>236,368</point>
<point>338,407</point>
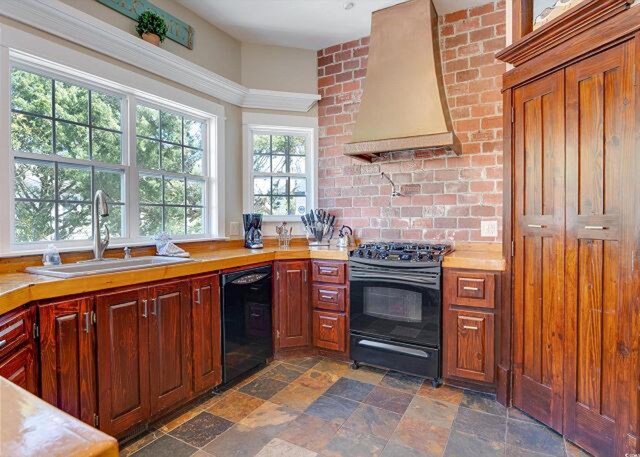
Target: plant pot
<point>151,38</point>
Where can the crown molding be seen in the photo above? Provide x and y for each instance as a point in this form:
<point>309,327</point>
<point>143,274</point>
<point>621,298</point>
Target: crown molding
<point>66,22</point>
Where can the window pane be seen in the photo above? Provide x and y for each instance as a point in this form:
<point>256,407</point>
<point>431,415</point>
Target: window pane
<point>279,206</point>
<point>298,186</point>
<point>147,122</point>
<point>74,221</point>
<point>297,145</point>
<point>261,144</point>
<point>148,152</point>
<point>297,164</point>
<point>278,144</point>
<point>195,221</point>
<point>174,191</point>
<point>106,146</point>
<point>262,163</point>
<point>31,134</point>
<point>34,180</point>
<point>262,205</point>
<point>298,205</point>
<point>195,193</point>
<point>30,92</point>
<point>261,186</point>
<point>193,133</point>
<point>74,183</point>
<point>72,102</point>
<point>115,221</point>
<point>111,183</point>
<point>150,189</point>
<point>72,140</point>
<point>279,186</point>
<point>174,220</point>
<point>193,161</point>
<point>105,111</point>
<point>278,164</point>
<point>150,220</point>
<point>171,158</point>
<point>34,221</point>
<point>171,126</point>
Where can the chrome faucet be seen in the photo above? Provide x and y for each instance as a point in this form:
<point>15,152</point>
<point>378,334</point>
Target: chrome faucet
<point>100,209</point>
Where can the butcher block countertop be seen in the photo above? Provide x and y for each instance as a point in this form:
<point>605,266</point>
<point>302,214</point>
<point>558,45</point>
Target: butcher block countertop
<point>30,426</point>
<point>18,288</point>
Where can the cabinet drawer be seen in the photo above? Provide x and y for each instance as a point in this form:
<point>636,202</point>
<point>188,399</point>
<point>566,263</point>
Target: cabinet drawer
<point>331,298</point>
<point>15,329</point>
<point>473,289</point>
<point>329,331</point>
<point>470,345</point>
<point>20,368</point>
<point>331,272</point>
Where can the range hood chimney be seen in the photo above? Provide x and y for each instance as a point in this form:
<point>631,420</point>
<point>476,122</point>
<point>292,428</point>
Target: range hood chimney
<point>404,105</point>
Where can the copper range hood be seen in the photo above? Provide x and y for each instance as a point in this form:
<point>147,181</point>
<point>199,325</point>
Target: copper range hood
<point>404,105</point>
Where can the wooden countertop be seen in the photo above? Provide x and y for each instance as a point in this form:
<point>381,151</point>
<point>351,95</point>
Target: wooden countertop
<point>30,426</point>
<point>17,289</point>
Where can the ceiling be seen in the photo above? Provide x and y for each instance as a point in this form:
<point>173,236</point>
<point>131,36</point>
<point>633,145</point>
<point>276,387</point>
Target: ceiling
<point>309,24</point>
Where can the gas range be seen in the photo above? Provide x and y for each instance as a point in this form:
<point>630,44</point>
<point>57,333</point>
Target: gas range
<point>402,252</point>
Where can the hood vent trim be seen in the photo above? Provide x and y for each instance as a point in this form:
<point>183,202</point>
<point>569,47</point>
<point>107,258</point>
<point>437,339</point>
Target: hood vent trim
<point>404,104</point>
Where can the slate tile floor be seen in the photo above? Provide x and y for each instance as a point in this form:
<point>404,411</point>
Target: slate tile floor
<point>318,407</point>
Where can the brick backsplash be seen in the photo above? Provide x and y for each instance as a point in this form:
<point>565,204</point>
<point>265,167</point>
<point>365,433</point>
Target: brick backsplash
<point>445,196</point>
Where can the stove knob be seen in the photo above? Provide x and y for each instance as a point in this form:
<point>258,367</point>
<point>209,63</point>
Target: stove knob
<point>369,253</point>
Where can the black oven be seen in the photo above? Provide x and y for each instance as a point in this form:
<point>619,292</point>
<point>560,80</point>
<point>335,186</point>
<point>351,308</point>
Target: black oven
<point>395,314</point>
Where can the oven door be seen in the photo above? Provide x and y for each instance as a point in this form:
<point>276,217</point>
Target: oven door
<point>397,304</point>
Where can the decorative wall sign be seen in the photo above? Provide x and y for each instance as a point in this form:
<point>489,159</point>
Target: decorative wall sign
<point>177,30</point>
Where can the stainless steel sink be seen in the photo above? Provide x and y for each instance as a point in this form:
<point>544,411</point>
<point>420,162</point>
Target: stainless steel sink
<point>74,270</point>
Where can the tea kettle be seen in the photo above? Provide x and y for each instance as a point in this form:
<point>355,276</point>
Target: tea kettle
<point>345,239</point>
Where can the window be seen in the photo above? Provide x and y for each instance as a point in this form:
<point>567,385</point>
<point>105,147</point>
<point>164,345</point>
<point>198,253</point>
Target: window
<point>172,199</point>
<point>281,171</point>
<point>67,143</point>
<point>68,139</point>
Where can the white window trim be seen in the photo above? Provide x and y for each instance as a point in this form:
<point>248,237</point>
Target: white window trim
<point>286,125</point>
<point>25,49</point>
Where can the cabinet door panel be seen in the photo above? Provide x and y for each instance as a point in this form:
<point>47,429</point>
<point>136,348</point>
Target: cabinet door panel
<point>123,359</point>
<point>293,304</point>
<point>207,362</point>
<point>538,295</point>
<point>599,386</point>
<point>169,344</point>
<point>470,345</point>
<point>20,368</point>
<point>329,331</point>
<point>67,357</point>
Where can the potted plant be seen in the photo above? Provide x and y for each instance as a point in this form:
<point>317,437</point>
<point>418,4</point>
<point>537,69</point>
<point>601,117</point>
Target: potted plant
<point>151,27</point>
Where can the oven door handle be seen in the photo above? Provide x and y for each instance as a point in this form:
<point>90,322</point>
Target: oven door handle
<point>394,349</point>
<point>400,280</point>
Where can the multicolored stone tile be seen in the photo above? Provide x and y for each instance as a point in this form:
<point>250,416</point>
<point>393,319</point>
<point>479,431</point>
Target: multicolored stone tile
<point>370,375</point>
<point>332,366</point>
<point>270,419</point>
<point>461,444</point>
<point>140,442</point>
<point>373,421</point>
<point>238,441</point>
<point>317,380</point>
<point>351,389</point>
<point>348,443</point>
<point>309,432</point>
<point>443,393</point>
<point>283,372</point>
<point>486,426</point>
<point>536,438</point>
<point>303,362</point>
<point>390,399</point>
<point>434,412</point>
<point>280,448</point>
<point>263,388</point>
<point>332,409</point>
<point>401,381</point>
<point>482,402</point>
<point>296,396</point>
<point>235,406</point>
<point>166,446</point>
<point>419,435</point>
<point>201,430</point>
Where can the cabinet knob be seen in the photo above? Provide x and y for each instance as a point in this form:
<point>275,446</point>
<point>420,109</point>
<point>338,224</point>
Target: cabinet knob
<point>2,343</point>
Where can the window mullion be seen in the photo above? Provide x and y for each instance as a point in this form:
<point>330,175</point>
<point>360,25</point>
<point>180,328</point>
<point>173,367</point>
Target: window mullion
<point>132,194</point>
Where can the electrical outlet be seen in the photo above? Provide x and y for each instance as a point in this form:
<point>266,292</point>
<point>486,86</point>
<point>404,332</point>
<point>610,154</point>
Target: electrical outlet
<point>234,228</point>
<point>489,228</point>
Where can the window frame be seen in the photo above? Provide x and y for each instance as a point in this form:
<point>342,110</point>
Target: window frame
<point>213,139</point>
<point>279,125</point>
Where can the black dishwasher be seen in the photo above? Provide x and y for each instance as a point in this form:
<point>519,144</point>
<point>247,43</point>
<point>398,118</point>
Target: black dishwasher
<point>247,340</point>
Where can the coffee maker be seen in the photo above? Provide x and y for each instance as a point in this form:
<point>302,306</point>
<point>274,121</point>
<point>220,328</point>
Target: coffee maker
<point>252,231</point>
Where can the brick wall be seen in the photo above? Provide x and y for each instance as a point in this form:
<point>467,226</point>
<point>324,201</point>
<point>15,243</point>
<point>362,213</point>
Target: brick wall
<point>444,196</point>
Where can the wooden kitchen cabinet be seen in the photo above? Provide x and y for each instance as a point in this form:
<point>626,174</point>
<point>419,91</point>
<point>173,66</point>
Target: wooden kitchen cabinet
<point>169,344</point>
<point>330,292</point>
<point>329,331</point>
<point>67,357</point>
<point>206,337</point>
<point>20,368</point>
<point>293,323</point>
<point>18,349</point>
<point>469,340</point>
<point>123,359</point>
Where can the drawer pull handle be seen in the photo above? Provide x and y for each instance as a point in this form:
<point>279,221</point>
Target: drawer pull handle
<point>470,288</point>
<point>144,313</point>
<point>86,322</point>
<point>327,326</point>
<point>155,309</point>
<point>469,318</point>
<point>2,343</point>
<point>255,315</point>
<point>326,297</point>
<point>470,327</point>
<point>536,226</point>
<point>198,296</point>
<point>594,227</point>
<point>327,270</point>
